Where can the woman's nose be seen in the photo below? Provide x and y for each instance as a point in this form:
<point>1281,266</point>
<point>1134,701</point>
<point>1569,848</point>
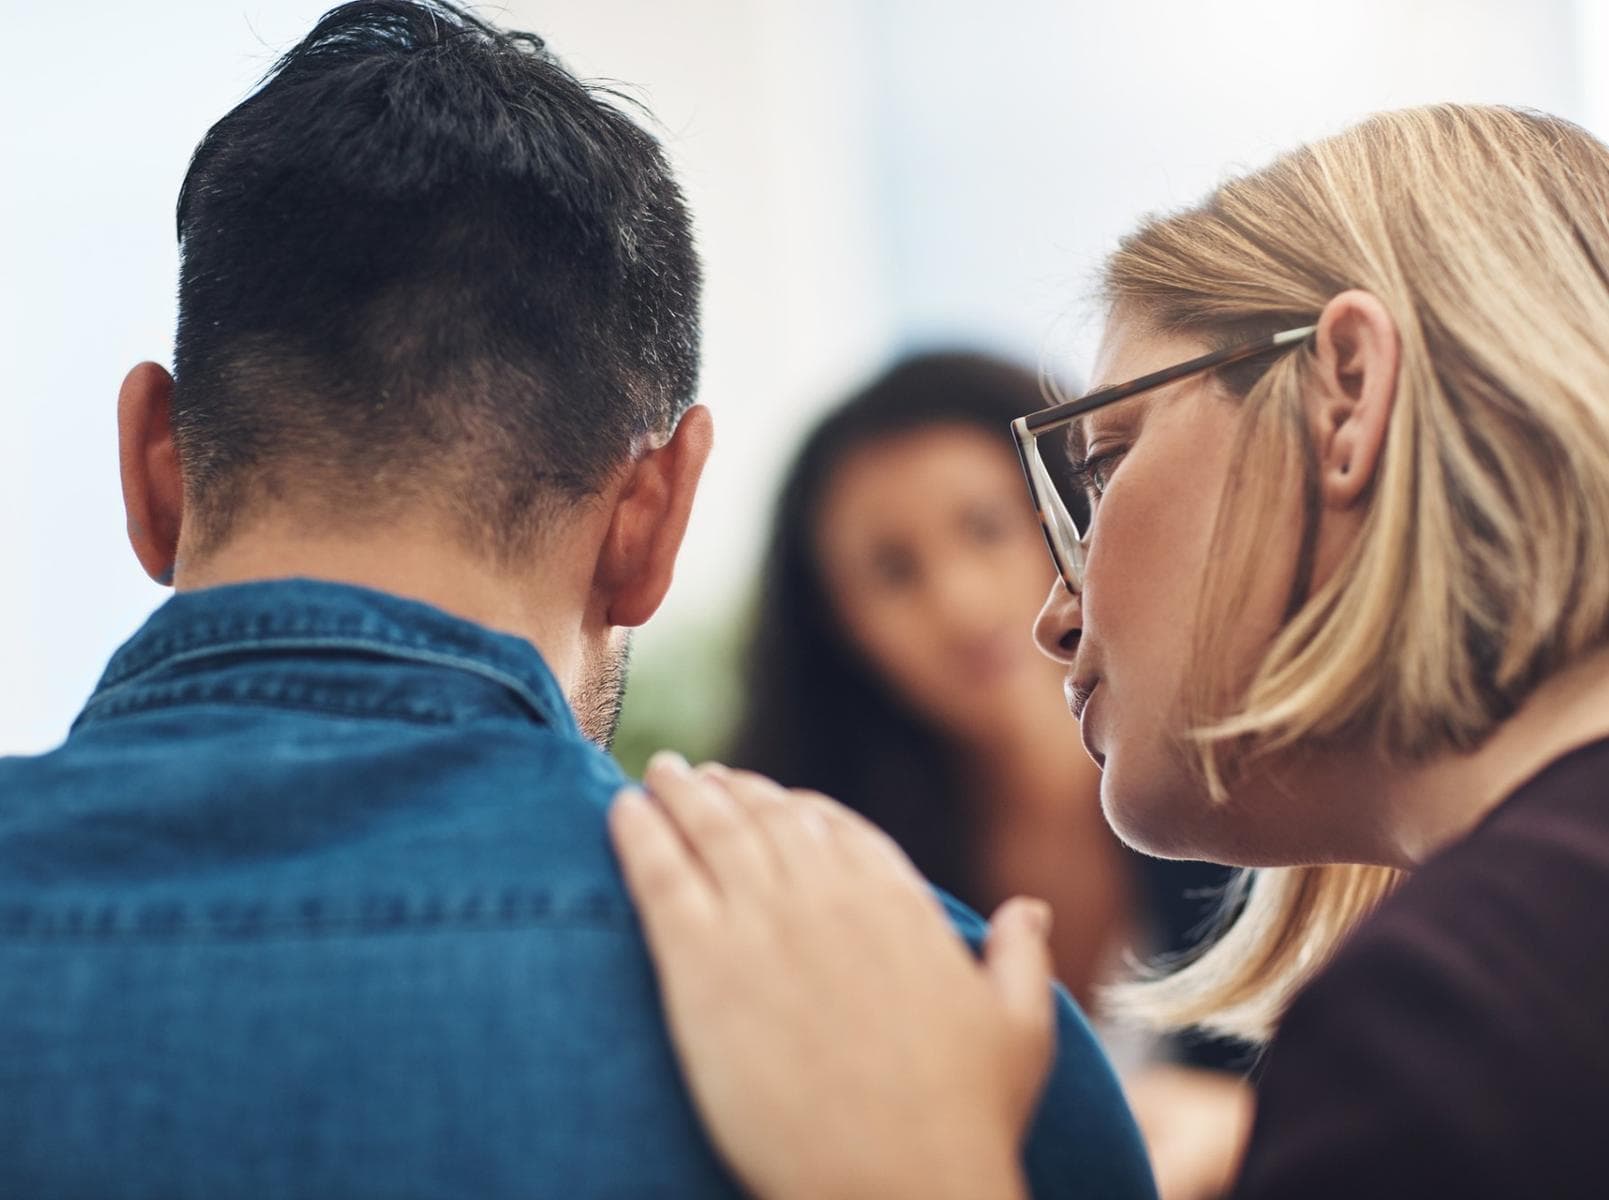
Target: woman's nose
<point>964,593</point>
<point>1059,623</point>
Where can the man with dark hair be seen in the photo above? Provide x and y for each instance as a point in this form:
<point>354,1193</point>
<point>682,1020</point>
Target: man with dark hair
<point>316,898</point>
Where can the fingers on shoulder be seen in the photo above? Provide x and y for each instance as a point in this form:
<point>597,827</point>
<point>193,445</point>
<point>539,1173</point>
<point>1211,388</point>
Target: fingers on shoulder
<point>716,824</point>
<point>1018,960</point>
<point>860,840</point>
<point>666,880</point>
<point>757,840</point>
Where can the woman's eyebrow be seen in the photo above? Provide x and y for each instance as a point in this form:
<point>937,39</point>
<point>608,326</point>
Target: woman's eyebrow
<point>1077,439</point>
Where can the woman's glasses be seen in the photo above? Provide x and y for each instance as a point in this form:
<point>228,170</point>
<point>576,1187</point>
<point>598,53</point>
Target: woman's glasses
<point>1061,501</point>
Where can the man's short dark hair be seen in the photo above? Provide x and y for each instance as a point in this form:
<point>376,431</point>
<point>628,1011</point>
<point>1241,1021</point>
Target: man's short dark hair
<point>423,260</point>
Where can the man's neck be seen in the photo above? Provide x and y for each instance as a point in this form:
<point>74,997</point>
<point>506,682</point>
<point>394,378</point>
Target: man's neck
<point>544,607</point>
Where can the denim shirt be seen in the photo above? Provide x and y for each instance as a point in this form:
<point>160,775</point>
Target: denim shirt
<point>317,899</point>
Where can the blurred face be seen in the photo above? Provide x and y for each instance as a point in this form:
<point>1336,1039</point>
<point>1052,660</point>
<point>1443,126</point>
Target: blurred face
<point>932,559</point>
<point>1161,461</point>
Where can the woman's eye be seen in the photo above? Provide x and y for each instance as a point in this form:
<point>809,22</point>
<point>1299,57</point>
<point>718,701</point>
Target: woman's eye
<point>1094,474</point>
<point>893,568</point>
<point>1102,473</point>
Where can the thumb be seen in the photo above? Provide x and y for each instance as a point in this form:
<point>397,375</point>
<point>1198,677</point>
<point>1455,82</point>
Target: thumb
<point>1016,956</point>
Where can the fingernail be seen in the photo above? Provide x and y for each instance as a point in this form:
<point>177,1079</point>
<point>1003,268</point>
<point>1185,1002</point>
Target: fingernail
<point>631,799</point>
<point>669,760</point>
<point>1037,915</point>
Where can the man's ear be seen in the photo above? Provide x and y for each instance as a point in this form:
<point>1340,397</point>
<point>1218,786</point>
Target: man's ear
<point>650,517</point>
<point>1357,352</point>
<point>153,491</point>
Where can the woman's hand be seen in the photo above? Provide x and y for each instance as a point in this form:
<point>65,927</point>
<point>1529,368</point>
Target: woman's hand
<point>838,1036</point>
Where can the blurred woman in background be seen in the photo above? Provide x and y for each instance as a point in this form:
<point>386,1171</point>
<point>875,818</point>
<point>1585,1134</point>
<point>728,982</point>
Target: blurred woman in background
<point>891,665</point>
<point>892,668</point>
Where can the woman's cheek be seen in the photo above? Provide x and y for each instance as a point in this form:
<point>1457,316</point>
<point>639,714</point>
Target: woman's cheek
<point>890,636</point>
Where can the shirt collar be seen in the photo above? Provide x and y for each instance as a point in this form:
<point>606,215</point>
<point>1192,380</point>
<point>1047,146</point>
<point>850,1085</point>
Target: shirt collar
<point>308,614</point>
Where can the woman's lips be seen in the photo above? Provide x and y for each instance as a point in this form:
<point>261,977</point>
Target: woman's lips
<point>1079,696</point>
<point>1078,693</point>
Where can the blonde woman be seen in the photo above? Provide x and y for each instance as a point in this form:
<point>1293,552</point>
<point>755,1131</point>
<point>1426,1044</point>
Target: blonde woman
<point>1338,611</point>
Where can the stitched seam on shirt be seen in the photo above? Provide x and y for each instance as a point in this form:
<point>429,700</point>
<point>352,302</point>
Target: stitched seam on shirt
<point>241,921</point>
<point>203,632</point>
<point>366,645</point>
<point>234,699</point>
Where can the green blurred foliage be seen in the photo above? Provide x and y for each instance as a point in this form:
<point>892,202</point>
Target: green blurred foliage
<point>684,692</point>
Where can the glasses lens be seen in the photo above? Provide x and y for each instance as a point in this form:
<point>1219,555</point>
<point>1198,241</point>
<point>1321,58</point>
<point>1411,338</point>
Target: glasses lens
<point>1054,490</point>
<point>1055,453</point>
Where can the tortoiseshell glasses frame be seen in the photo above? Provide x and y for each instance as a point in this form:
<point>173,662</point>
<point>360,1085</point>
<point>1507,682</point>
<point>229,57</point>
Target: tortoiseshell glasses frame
<point>1067,542</point>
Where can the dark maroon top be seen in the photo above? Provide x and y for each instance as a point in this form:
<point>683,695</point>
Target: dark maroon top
<point>1459,1043</point>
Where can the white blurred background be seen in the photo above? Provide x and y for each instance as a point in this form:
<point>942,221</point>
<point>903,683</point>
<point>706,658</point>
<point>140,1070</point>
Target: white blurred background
<point>868,177</point>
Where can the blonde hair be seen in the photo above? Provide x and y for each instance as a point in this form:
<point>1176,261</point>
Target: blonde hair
<point>1485,233</point>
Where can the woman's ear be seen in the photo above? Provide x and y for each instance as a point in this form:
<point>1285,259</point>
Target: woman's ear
<point>650,518</point>
<point>153,490</point>
<point>1357,353</point>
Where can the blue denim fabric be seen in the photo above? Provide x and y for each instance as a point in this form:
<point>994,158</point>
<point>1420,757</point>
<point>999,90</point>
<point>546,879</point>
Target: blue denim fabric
<point>316,900</point>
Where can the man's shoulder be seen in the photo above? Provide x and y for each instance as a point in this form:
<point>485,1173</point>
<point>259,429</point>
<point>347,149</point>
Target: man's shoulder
<point>450,827</point>
<point>338,966</point>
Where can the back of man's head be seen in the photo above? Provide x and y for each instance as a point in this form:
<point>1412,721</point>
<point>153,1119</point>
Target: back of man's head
<point>424,264</point>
